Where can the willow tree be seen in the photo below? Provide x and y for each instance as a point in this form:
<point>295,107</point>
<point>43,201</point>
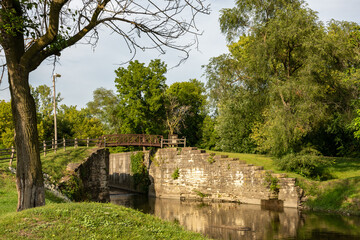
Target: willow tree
<point>288,82</point>
<point>32,31</point>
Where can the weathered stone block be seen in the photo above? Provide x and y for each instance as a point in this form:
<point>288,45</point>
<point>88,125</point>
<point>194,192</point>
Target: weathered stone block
<point>225,179</point>
<point>93,176</point>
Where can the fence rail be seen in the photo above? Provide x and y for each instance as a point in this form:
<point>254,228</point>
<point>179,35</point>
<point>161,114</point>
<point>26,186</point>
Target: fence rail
<point>103,141</point>
<point>47,146</point>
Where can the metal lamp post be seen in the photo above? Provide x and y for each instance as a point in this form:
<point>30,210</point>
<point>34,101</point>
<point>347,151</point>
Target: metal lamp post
<point>55,126</point>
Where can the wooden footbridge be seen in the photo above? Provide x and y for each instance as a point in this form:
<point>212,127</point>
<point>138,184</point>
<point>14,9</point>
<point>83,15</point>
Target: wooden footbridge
<point>139,140</point>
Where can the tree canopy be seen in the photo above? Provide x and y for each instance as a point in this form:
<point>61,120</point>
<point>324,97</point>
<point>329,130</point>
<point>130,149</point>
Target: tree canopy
<point>185,105</point>
<point>289,81</point>
<point>141,91</point>
<point>104,107</point>
<point>144,104</point>
<point>72,123</point>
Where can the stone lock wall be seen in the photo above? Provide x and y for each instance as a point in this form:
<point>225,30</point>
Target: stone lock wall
<point>206,177</point>
<point>215,178</point>
<point>94,175</point>
<point>120,173</point>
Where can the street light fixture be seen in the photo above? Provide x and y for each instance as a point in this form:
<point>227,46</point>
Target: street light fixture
<point>55,126</point>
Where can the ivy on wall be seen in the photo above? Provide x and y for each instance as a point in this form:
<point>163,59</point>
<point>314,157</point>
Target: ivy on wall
<point>139,171</point>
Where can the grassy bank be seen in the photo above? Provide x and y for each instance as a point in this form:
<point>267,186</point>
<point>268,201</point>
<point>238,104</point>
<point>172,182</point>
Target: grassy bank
<point>88,221</point>
<point>55,164</point>
<point>8,193</point>
<point>340,194</point>
<point>76,220</point>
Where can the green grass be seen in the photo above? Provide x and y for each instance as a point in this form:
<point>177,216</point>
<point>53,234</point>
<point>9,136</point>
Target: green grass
<point>88,221</point>
<point>55,164</point>
<point>345,168</point>
<point>257,160</point>
<point>8,193</point>
<point>341,194</point>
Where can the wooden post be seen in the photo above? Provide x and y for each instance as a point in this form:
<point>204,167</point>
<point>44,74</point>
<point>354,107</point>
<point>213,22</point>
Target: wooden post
<point>55,145</point>
<point>161,144</point>
<point>44,148</point>
<point>12,155</point>
<point>87,142</point>
<point>64,144</point>
<point>52,143</point>
<point>104,141</point>
<point>76,143</point>
<point>185,142</point>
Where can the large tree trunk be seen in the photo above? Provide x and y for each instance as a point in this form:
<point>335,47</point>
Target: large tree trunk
<point>29,178</point>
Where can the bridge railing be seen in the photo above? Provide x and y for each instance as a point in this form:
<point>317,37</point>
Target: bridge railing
<point>173,142</point>
<point>130,140</point>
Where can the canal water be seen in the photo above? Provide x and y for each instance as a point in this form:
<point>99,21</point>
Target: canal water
<point>242,221</point>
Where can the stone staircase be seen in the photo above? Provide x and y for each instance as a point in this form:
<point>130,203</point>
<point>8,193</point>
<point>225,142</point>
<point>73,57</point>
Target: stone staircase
<point>205,176</point>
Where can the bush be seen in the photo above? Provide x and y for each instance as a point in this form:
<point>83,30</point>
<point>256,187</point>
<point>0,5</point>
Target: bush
<point>308,163</point>
<point>272,183</point>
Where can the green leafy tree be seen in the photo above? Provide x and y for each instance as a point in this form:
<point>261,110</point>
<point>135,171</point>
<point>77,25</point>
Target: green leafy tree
<point>32,31</point>
<point>141,92</point>
<point>238,96</point>
<point>6,125</point>
<point>292,70</point>
<point>104,107</point>
<point>209,136</point>
<point>43,97</point>
<point>185,109</point>
<point>44,101</point>
<point>79,124</point>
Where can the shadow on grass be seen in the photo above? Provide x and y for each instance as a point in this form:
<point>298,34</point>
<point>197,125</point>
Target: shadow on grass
<point>51,198</point>
<point>346,164</point>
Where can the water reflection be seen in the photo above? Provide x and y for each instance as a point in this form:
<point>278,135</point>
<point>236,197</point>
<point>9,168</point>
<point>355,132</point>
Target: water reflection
<point>240,221</point>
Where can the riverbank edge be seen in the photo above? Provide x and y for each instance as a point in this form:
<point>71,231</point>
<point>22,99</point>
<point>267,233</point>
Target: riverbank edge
<point>317,194</point>
<point>93,220</point>
<point>35,222</point>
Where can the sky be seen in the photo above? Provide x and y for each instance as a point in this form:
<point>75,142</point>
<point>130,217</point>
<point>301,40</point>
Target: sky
<point>84,69</point>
